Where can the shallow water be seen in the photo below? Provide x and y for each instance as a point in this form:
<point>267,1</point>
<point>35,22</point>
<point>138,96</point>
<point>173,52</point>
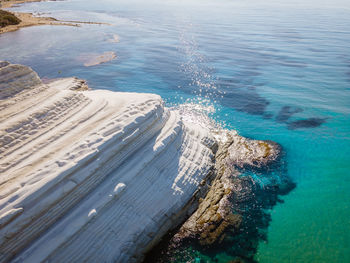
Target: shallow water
<point>277,71</point>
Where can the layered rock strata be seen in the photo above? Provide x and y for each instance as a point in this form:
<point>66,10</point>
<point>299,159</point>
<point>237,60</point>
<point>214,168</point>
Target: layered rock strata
<point>92,175</point>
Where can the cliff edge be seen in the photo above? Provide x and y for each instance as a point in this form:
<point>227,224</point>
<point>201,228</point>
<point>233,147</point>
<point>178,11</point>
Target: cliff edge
<point>100,176</point>
<point>91,175</point>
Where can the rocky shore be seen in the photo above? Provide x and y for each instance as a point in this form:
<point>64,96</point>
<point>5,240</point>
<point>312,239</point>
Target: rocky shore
<point>215,211</point>
<point>94,175</point>
<point>231,213</point>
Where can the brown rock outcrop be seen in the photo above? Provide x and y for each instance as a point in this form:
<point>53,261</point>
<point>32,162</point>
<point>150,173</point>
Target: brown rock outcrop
<point>214,214</point>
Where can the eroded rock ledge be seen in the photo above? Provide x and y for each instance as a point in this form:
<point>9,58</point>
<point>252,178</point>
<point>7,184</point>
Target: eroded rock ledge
<point>249,176</point>
<point>100,176</point>
<point>215,211</point>
<point>91,175</point>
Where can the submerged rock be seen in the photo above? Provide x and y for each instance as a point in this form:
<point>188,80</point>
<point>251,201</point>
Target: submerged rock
<point>92,175</point>
<point>286,112</point>
<point>307,123</point>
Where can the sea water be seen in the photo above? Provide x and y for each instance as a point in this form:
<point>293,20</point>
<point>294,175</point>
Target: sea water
<point>276,70</point>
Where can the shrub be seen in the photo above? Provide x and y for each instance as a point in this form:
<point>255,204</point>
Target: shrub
<point>7,18</point>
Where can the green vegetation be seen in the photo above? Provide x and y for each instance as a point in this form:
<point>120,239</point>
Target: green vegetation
<point>7,18</point>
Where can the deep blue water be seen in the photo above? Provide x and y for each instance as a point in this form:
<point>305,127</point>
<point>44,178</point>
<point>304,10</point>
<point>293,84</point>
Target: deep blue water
<point>269,69</point>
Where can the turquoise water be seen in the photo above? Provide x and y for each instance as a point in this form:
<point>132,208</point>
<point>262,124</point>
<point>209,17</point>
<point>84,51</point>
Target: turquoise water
<point>270,69</point>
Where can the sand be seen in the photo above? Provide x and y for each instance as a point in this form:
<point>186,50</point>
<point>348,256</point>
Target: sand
<point>11,3</point>
<point>28,19</point>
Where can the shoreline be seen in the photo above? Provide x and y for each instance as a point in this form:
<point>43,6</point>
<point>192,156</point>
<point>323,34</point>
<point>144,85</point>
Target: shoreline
<point>11,3</point>
<point>29,19</point>
<point>76,153</point>
<point>84,149</point>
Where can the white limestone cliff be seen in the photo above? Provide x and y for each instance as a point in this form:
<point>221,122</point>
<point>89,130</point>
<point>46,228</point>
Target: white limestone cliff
<point>91,175</point>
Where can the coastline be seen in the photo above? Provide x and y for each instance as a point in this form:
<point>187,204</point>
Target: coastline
<point>66,152</point>
<point>11,3</point>
<point>264,74</point>
<point>86,158</point>
<point>203,211</point>
<point>28,19</point>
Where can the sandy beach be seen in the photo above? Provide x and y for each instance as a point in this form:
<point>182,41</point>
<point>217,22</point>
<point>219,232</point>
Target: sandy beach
<point>11,3</point>
<point>28,19</point>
